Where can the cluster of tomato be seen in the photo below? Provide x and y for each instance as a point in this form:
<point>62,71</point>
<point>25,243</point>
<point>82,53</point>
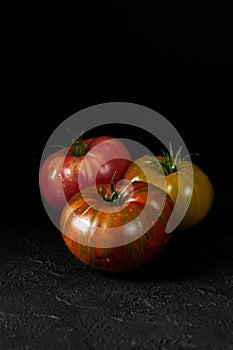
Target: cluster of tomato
<point>118,229</point>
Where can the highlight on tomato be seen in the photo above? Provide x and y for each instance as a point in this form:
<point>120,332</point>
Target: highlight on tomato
<point>117,229</point>
<point>192,184</point>
<point>85,163</point>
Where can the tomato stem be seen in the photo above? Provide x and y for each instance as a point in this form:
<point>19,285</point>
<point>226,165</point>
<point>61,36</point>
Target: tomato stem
<point>168,162</point>
<point>113,195</point>
<point>113,188</point>
<point>78,148</point>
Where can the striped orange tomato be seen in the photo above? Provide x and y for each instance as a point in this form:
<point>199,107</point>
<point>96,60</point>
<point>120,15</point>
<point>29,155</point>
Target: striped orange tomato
<point>116,230</point>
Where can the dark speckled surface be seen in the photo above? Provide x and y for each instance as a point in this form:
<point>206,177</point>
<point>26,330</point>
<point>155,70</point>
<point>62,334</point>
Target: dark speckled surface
<point>180,300</point>
<point>175,59</point>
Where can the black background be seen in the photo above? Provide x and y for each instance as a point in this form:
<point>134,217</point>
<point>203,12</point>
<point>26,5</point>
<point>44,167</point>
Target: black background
<point>176,59</point>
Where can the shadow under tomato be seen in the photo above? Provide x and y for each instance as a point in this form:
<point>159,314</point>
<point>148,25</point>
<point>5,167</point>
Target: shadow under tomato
<point>190,253</point>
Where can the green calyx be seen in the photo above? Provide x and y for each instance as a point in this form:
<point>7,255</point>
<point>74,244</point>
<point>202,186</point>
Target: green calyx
<point>113,194</point>
<point>169,162</point>
<point>78,148</point>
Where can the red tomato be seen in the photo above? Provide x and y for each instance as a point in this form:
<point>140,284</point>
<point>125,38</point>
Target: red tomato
<point>121,232</point>
<point>67,171</point>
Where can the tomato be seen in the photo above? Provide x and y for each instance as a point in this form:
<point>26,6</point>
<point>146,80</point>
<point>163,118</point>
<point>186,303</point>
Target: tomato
<point>85,163</point>
<point>120,232</point>
<point>200,196</point>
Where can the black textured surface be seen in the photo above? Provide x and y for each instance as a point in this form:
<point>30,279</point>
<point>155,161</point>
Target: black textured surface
<point>175,59</point>
<point>181,300</point>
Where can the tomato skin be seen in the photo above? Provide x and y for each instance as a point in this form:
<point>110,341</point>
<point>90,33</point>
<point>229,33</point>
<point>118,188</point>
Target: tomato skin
<point>50,180</point>
<point>201,197</point>
<point>145,243</point>
<point>62,175</point>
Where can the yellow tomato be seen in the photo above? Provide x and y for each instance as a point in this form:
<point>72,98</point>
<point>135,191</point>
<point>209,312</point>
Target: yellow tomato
<point>192,183</point>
